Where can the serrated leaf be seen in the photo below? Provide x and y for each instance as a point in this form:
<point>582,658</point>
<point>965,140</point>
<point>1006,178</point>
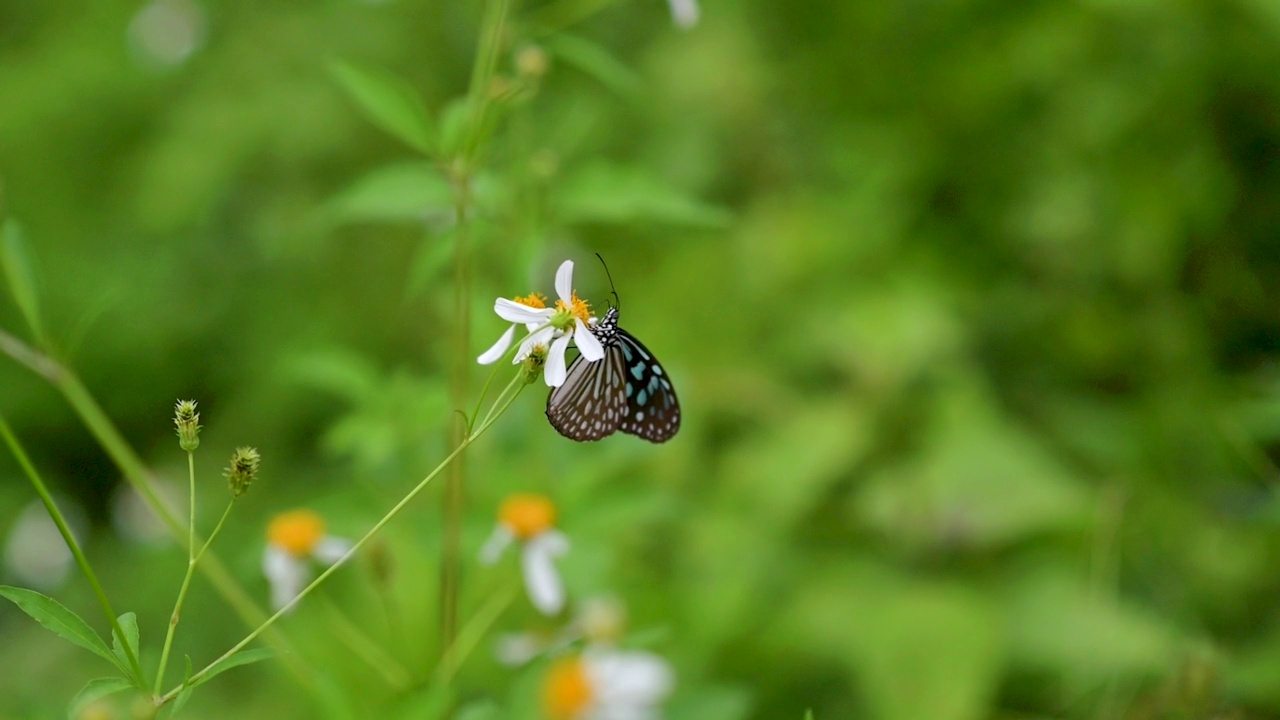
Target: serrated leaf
<point>129,624</point>
<point>404,192</point>
<point>596,61</point>
<point>66,624</point>
<point>93,691</point>
<point>612,194</point>
<point>18,264</point>
<point>240,658</point>
<point>388,102</point>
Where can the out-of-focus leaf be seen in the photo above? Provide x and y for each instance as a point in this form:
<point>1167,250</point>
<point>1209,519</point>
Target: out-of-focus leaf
<point>429,262</point>
<point>19,266</point>
<point>921,649</point>
<point>612,194</point>
<point>388,102</point>
<point>93,691</point>
<point>453,124</point>
<point>1055,624</point>
<point>596,61</point>
<point>54,616</point>
<point>129,624</point>
<point>979,481</point>
<point>404,192</point>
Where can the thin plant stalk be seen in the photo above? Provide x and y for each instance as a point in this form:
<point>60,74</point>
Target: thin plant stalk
<point>516,382</point>
<point>451,547</point>
<point>43,491</point>
<point>192,561</point>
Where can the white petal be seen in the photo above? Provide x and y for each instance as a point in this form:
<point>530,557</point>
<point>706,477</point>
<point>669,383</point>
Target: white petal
<point>285,574</point>
<point>629,679</point>
<point>564,281</point>
<point>555,371</point>
<point>684,13</point>
<point>587,343</point>
<point>490,356</point>
<point>541,579</point>
<point>512,311</point>
<point>542,336</point>
<point>332,549</point>
<point>495,545</point>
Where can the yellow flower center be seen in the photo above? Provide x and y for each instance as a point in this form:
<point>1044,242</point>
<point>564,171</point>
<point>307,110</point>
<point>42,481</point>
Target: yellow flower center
<point>576,307</point>
<point>567,690</point>
<point>527,515</point>
<point>533,300</point>
<point>297,532</point>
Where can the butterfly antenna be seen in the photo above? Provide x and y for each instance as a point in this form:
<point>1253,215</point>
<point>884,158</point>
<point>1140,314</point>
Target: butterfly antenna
<point>617,302</point>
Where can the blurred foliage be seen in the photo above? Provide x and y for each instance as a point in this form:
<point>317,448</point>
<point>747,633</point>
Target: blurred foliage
<point>973,308</point>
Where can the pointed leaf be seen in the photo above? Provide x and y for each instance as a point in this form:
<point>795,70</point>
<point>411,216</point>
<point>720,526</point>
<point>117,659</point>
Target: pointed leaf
<point>129,624</point>
<point>240,658</point>
<point>404,192</point>
<point>18,264</point>
<point>95,690</point>
<point>603,193</point>
<point>596,61</point>
<point>180,700</point>
<point>389,103</point>
<point>54,616</point>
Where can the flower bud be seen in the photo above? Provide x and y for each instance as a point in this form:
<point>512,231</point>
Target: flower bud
<point>531,368</point>
<point>243,470</point>
<point>188,422</point>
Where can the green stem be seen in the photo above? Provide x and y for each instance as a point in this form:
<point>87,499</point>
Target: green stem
<point>417,489</point>
<point>65,531</point>
<point>141,479</point>
<point>192,561</point>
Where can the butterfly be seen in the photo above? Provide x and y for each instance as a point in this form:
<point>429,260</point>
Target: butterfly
<point>625,390</point>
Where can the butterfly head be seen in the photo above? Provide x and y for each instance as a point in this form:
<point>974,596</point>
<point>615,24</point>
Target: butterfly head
<point>606,328</point>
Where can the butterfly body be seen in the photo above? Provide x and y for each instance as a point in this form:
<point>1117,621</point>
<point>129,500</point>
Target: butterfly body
<point>626,390</point>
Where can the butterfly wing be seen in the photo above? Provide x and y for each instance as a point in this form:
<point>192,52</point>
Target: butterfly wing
<point>592,400</point>
<point>652,410</point>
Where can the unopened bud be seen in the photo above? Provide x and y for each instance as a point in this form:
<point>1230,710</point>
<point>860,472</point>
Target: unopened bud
<point>188,422</point>
<point>532,61</point>
<point>243,470</point>
<point>531,368</point>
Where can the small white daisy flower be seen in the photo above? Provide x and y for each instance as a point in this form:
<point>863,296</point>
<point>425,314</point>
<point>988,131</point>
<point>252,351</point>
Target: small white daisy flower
<point>530,520</point>
<point>549,327</point>
<point>608,685</point>
<point>295,540</point>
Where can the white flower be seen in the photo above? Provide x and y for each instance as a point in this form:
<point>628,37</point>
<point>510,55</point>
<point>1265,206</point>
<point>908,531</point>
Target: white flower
<point>550,328</point>
<point>608,685</point>
<point>684,13</point>
<point>295,540</point>
<point>530,520</point>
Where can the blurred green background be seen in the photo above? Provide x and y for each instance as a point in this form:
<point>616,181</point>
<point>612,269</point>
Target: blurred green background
<point>972,308</point>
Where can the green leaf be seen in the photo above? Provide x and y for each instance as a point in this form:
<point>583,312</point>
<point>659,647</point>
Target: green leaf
<point>95,690</point>
<point>431,703</point>
<point>180,700</point>
<point>389,103</point>
<point>596,61</point>
<point>612,194</point>
<point>18,264</point>
<point>479,710</point>
<point>240,658</point>
<point>404,192</point>
<point>808,714</point>
<point>718,702</point>
<point>54,616</point>
<point>129,624</point>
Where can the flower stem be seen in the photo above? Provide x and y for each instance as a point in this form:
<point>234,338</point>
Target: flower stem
<point>193,559</point>
<point>417,489</point>
<point>142,480</point>
<point>43,491</point>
